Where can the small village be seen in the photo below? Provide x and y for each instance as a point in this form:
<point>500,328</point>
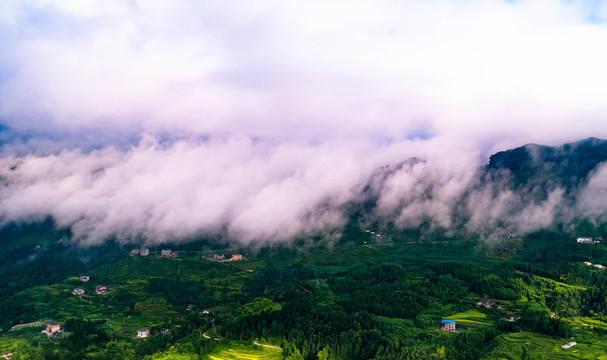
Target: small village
<point>590,240</point>
<point>224,258</point>
<point>598,266</point>
<point>53,328</point>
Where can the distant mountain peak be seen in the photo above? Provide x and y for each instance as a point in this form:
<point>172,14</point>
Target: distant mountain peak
<point>567,165</point>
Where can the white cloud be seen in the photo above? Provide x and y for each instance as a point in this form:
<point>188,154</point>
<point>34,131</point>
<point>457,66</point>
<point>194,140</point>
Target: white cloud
<point>320,69</point>
<point>251,191</point>
<point>591,202</point>
<point>301,101</point>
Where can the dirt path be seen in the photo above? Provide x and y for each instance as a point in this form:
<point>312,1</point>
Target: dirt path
<point>217,336</point>
<point>269,346</point>
<point>21,326</point>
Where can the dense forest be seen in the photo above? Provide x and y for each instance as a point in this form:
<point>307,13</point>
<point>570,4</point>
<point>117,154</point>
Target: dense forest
<point>354,299</point>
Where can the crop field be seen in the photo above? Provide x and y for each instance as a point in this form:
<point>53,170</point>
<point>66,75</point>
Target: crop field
<point>589,322</point>
<point>31,335</point>
<point>526,345</point>
<point>260,304</point>
<point>470,318</point>
<point>245,353</point>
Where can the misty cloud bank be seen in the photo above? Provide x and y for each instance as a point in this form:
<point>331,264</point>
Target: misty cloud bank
<point>250,191</point>
<point>155,193</point>
<point>151,121</point>
<point>464,197</point>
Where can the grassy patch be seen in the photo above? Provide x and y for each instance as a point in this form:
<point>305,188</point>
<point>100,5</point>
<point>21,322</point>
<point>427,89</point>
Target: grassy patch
<point>529,345</point>
<point>468,314</point>
<point>560,284</point>
<point>258,305</point>
<point>470,318</point>
<point>9,341</point>
<point>586,321</point>
<point>154,309</point>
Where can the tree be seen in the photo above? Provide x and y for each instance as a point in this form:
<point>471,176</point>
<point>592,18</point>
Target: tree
<point>323,354</point>
<point>296,355</point>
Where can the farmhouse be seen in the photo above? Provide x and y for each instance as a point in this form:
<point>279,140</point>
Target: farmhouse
<point>599,266</point>
<point>588,240</point>
<point>7,355</point>
<point>134,252</point>
<point>568,345</point>
<point>101,289</point>
<point>219,257</point>
<point>143,333</point>
<point>587,263</point>
<point>513,318</point>
<point>206,311</point>
<point>52,328</point>
<point>165,253</point>
<point>236,257</point>
<point>84,278</point>
<point>448,325</point>
<point>485,302</point>
<point>144,252</point>
<point>78,291</point>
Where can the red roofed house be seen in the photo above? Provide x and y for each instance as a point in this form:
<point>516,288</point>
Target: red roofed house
<point>53,327</point>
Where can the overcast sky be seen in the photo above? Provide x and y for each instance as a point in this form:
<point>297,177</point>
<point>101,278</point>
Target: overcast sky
<point>262,118</point>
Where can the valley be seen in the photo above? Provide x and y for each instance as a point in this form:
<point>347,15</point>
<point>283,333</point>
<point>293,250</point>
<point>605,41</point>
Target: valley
<point>358,298</point>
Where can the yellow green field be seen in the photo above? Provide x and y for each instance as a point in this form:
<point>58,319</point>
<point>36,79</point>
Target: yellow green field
<point>262,353</point>
<point>470,317</point>
<point>589,322</point>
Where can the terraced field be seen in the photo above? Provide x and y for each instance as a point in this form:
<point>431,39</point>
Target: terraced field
<point>247,354</point>
<point>470,318</point>
<point>527,345</point>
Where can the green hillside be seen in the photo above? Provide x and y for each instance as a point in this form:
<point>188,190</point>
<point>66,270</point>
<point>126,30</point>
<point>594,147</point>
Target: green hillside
<point>346,300</point>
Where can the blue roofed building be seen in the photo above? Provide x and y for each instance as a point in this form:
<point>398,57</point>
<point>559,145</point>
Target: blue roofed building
<point>448,325</point>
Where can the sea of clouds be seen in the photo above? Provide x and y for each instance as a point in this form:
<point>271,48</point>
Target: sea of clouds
<point>154,121</point>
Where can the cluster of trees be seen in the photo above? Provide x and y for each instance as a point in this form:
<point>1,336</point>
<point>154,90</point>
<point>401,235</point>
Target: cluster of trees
<point>540,320</point>
<point>303,328</point>
<point>349,327</point>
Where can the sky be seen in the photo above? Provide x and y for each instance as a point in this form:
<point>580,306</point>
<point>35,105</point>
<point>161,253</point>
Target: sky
<point>152,121</point>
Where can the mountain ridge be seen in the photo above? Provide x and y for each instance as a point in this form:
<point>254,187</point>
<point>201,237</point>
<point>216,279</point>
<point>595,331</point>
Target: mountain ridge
<point>573,160</point>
